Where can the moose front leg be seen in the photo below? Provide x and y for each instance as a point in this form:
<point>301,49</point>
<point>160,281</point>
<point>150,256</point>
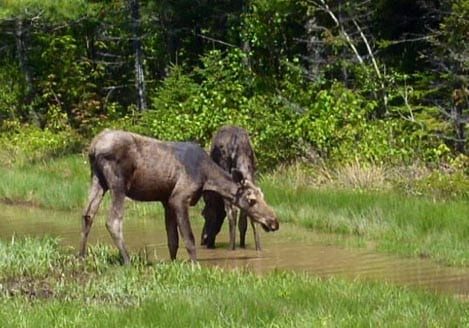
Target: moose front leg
<point>232,214</point>
<point>255,231</point>
<point>181,211</point>
<point>171,231</point>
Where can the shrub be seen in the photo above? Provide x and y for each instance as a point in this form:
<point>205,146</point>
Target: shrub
<point>25,143</point>
<point>335,123</point>
<point>339,125</point>
<point>186,110</point>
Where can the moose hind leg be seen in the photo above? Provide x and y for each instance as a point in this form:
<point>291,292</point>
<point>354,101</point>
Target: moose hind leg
<point>114,224</point>
<point>213,222</point>
<point>214,215</point>
<point>207,238</point>
<point>95,197</point>
<point>203,237</point>
<point>242,226</point>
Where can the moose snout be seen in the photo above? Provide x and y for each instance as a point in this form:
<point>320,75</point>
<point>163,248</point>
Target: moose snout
<point>274,225</point>
<point>270,224</point>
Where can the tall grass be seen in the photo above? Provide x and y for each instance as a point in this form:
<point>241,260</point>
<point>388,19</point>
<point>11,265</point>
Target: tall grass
<point>360,201</point>
<point>60,183</point>
<point>99,293</point>
<point>28,257</point>
<point>412,226</point>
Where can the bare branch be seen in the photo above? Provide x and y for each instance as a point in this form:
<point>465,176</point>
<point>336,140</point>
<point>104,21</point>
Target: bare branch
<point>373,60</point>
<point>325,7</point>
<point>423,38</point>
<point>216,41</point>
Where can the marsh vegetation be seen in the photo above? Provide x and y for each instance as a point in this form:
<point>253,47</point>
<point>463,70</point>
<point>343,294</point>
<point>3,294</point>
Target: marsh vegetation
<point>50,287</point>
<point>42,278</point>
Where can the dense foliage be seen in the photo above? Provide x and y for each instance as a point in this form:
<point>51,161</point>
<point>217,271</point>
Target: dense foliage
<point>380,81</point>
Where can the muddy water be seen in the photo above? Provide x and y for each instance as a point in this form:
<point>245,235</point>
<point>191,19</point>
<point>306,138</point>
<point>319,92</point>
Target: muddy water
<point>291,248</point>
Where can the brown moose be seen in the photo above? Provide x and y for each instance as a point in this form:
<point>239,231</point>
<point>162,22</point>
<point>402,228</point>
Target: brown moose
<point>231,149</point>
<point>174,173</point>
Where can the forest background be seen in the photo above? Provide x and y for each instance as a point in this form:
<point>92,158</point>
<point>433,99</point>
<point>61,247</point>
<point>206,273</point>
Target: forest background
<point>381,82</point>
<point>357,110</point>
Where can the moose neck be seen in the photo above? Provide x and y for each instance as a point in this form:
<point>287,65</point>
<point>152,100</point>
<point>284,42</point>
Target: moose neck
<point>221,182</point>
<point>245,163</point>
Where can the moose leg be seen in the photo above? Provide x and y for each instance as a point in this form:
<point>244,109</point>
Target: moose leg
<point>214,215</point>
<point>214,218</point>
<point>94,200</point>
<point>231,213</point>
<point>203,237</point>
<point>216,225</point>
<point>207,238</point>
<point>208,231</point>
<point>256,235</point>
<point>171,231</point>
<point>114,223</point>
<point>242,226</point>
<point>181,208</point>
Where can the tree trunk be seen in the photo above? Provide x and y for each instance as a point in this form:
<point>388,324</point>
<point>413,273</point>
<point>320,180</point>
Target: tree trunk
<point>313,51</point>
<point>460,97</point>
<point>245,43</point>
<point>23,61</point>
<point>138,53</point>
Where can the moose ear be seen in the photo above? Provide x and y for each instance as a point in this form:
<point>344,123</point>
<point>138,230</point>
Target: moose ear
<point>237,176</point>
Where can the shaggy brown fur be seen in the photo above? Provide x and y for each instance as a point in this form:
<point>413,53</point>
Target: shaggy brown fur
<point>173,173</point>
<point>231,149</point>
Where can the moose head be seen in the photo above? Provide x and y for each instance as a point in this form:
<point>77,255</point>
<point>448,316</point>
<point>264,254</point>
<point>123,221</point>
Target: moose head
<point>250,198</point>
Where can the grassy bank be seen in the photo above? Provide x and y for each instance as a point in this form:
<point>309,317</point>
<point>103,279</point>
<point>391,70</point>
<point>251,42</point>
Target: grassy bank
<point>391,220</point>
<point>395,223</point>
<point>60,183</point>
<point>51,288</point>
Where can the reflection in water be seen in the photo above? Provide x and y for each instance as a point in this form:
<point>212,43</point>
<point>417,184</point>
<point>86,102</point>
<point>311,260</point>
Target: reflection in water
<point>290,248</point>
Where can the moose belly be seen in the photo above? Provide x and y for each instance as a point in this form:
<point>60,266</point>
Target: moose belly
<point>148,189</point>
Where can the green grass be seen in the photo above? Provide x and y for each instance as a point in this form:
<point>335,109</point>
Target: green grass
<point>63,291</point>
<point>406,225</point>
<point>414,226</point>
<point>59,183</point>
<point>44,285</point>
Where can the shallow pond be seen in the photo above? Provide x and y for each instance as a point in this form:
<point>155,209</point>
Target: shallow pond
<point>291,248</point>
